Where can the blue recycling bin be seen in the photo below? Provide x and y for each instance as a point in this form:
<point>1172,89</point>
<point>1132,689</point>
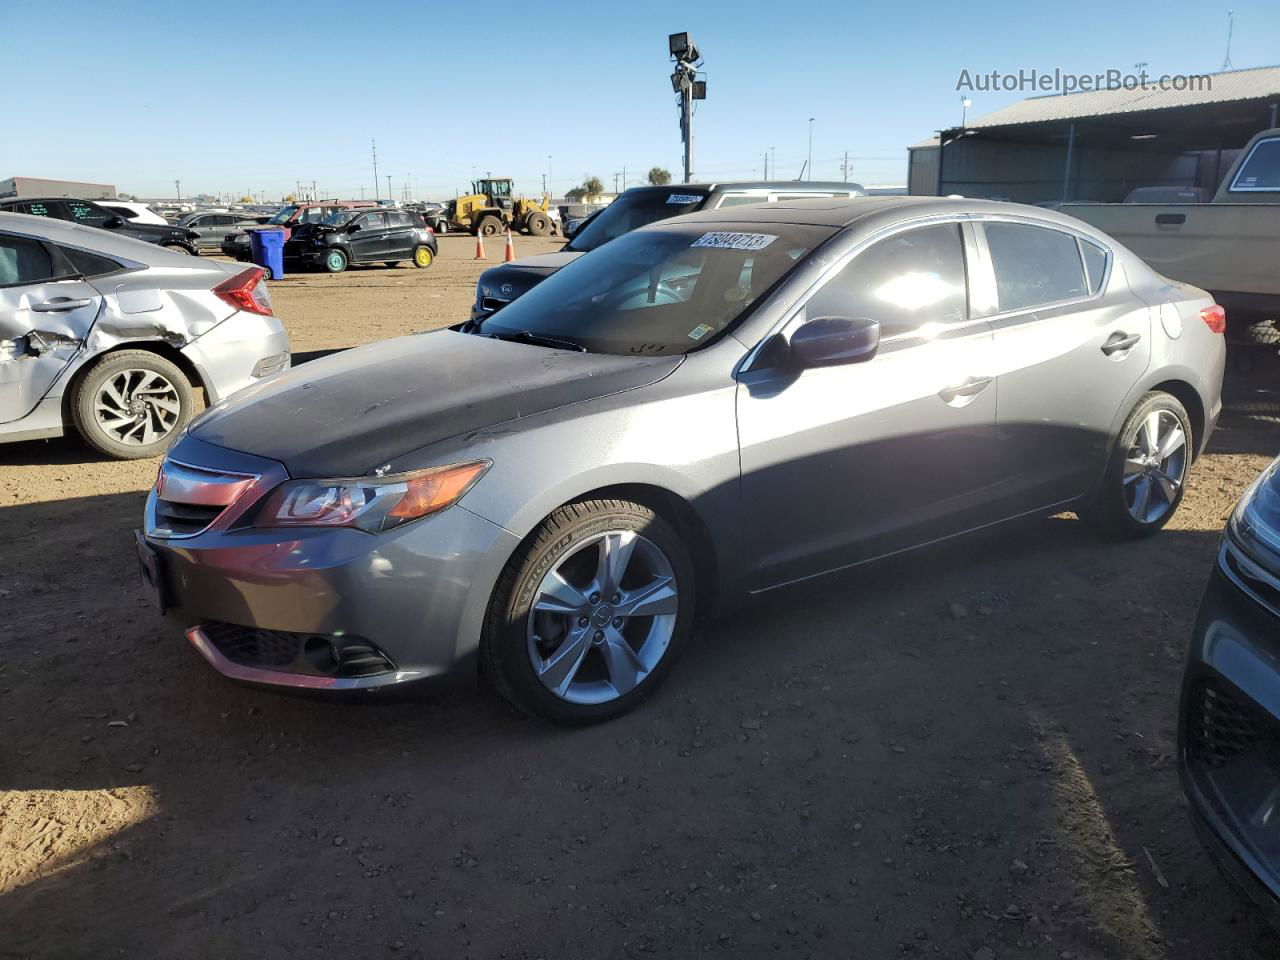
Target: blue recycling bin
<point>266,247</point>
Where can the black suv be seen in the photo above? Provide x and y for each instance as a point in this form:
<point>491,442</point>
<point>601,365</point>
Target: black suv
<point>92,215</point>
<point>363,236</point>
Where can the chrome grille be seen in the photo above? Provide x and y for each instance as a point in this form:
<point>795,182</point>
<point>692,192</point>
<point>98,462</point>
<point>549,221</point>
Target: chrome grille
<point>188,499</point>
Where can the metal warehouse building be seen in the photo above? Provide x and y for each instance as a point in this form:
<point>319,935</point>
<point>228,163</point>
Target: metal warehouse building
<point>1099,145</point>
<point>36,187</point>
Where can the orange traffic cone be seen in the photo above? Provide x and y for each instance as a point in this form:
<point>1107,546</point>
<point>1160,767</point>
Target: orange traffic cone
<point>480,248</point>
<point>511,248</point>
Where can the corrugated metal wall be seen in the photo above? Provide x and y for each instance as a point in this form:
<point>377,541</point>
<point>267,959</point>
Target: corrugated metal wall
<point>36,187</point>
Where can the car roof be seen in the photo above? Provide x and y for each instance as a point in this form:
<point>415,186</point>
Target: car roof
<point>799,186</point>
<point>93,238</point>
<point>842,212</point>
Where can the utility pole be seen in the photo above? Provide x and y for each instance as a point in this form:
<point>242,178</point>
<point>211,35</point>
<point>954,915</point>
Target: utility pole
<point>544,183</point>
<point>766,166</point>
<point>773,160</point>
<point>375,170</point>
<point>314,196</point>
<point>390,195</point>
<point>844,167</point>
<point>624,178</point>
<point>809,163</point>
<point>177,186</point>
<point>688,88</point>
<point>550,180</point>
<point>615,184</point>
<point>1231,26</point>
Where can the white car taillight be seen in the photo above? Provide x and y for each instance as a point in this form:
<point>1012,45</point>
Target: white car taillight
<point>246,291</point>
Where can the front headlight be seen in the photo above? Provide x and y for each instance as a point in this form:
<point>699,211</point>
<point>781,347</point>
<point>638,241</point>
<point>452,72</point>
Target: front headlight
<point>372,504</point>
<point>1255,522</point>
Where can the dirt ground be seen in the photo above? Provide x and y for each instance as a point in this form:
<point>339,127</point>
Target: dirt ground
<point>967,752</point>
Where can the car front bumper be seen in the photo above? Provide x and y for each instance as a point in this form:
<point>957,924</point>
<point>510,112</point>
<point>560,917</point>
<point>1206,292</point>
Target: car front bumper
<point>417,594</point>
<point>1229,726</point>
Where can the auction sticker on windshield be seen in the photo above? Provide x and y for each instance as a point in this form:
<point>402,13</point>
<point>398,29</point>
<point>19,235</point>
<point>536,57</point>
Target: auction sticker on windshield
<point>734,241</point>
<point>684,198</point>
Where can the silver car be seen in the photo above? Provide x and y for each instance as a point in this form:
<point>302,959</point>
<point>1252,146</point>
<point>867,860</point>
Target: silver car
<point>715,405</point>
<point>109,335</point>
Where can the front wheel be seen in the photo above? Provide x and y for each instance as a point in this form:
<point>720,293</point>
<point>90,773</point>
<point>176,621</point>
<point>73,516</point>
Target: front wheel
<point>1147,474</point>
<point>131,404</point>
<point>335,261</point>
<point>489,227</point>
<point>590,612</point>
<point>422,256</point>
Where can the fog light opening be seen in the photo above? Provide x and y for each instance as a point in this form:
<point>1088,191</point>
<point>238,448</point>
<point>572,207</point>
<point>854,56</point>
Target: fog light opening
<point>322,654</point>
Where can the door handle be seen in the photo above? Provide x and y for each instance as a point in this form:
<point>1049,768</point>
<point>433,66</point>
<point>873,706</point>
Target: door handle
<point>965,391</point>
<point>1170,219</point>
<point>1120,341</point>
<point>59,305</point>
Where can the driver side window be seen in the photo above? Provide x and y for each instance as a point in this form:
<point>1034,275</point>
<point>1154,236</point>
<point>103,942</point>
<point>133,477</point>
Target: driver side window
<point>905,281</point>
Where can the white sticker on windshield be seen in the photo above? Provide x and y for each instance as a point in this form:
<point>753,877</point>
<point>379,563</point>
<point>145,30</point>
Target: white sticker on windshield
<point>684,198</point>
<point>734,241</point>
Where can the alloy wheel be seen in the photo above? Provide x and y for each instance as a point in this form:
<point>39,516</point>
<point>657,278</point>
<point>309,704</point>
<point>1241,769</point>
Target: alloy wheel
<point>603,617</point>
<point>137,407</point>
<point>1155,467</point>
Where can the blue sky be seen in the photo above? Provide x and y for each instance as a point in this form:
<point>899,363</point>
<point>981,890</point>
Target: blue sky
<point>232,96</point>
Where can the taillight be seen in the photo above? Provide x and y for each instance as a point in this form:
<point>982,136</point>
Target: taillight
<point>1215,318</point>
<point>246,292</point>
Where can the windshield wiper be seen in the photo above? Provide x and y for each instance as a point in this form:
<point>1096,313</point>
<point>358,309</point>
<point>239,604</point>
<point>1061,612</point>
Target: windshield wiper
<point>538,339</point>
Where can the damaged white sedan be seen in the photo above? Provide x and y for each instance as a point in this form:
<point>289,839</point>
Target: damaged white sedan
<point>110,336</point>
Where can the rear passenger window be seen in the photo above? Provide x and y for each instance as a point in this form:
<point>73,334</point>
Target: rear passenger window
<point>35,209</point>
<point>89,264</point>
<point>738,199</point>
<point>23,260</point>
<point>1034,266</point>
<point>906,281</point>
<point>88,213</point>
<point>1095,264</point>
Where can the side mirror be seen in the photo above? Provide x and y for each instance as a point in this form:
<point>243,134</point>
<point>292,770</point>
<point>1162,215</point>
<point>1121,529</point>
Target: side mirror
<point>113,223</point>
<point>353,228</point>
<point>832,341</point>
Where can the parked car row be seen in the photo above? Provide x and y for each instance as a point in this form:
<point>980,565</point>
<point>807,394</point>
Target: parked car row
<point>91,214</point>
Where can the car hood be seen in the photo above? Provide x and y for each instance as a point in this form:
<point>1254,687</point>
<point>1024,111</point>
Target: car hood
<point>522,274</point>
<point>351,412</point>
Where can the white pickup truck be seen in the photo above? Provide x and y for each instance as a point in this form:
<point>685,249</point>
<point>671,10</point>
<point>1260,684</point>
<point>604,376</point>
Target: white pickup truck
<point>1229,246</point>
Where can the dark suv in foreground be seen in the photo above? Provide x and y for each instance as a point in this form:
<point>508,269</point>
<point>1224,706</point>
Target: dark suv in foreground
<point>90,214</point>
<point>635,208</point>
<point>1230,718</point>
<point>363,236</point>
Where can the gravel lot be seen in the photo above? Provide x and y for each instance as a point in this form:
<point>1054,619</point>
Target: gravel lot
<point>967,752</point>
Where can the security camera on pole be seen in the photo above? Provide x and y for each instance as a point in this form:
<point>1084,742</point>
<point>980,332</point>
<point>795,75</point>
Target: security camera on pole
<point>688,88</point>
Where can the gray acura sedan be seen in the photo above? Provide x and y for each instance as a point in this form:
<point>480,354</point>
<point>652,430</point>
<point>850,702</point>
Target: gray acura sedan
<point>713,406</point>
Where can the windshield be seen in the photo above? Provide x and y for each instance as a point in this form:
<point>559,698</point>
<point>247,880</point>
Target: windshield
<point>633,210</point>
<point>339,217</point>
<point>283,214</point>
<point>662,291</point>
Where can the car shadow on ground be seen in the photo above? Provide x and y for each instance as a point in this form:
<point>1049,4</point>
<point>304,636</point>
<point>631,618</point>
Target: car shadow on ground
<point>969,746</point>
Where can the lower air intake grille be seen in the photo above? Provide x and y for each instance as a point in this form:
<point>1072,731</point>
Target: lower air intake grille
<point>310,653</point>
<point>1222,724</point>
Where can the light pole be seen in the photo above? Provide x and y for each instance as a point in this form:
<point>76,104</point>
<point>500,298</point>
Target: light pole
<point>391,197</point>
<point>965,104</point>
<point>688,88</point>
<point>808,166</point>
<point>550,180</point>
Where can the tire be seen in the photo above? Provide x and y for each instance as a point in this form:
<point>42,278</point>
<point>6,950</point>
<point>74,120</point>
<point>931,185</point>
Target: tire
<point>335,261</point>
<point>605,679</point>
<point>538,224</point>
<point>441,227</point>
<point>423,256</point>
<point>489,227</point>
<point>1265,334</point>
<point>1118,509</point>
<point>118,375</point>
<point>180,248</point>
